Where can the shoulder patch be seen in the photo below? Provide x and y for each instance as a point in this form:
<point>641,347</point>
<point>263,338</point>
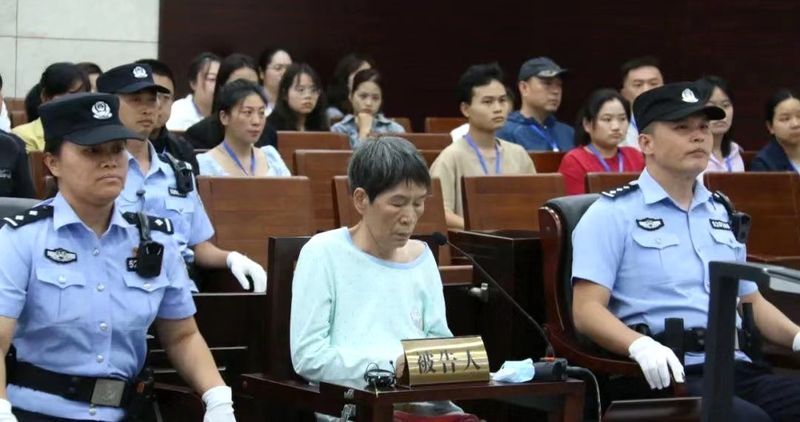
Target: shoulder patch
<point>26,217</point>
<point>621,191</point>
<point>159,224</point>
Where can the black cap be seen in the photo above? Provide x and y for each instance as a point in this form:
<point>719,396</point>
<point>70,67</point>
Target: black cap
<point>672,102</point>
<point>541,67</point>
<point>84,119</point>
<point>127,79</point>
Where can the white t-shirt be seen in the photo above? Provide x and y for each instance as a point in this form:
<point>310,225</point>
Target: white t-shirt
<point>5,121</point>
<point>184,114</point>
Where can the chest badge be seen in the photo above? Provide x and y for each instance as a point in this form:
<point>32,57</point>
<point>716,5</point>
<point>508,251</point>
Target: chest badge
<point>176,192</point>
<point>719,224</point>
<point>60,255</point>
<point>650,224</point>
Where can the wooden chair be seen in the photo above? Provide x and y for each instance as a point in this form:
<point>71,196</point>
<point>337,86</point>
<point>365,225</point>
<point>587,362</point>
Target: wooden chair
<point>443,124</point>
<point>320,166</point>
<point>507,202</point>
<point>428,141</point>
<point>39,172</point>
<point>600,182</point>
<point>405,122</point>
<point>429,155</point>
<point>245,211</point>
<point>546,161</point>
<point>289,142</point>
<point>747,157</point>
<point>558,218</point>
<point>232,325</point>
<point>17,117</point>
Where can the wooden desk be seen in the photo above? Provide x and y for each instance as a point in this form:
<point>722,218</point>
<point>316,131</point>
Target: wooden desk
<point>513,258</point>
<point>568,395</point>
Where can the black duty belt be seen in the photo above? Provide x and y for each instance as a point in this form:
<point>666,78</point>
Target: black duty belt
<point>694,340</point>
<point>98,391</point>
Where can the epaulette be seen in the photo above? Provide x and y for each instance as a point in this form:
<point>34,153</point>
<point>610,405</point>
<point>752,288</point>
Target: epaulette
<point>160,224</point>
<point>622,190</point>
<point>29,216</point>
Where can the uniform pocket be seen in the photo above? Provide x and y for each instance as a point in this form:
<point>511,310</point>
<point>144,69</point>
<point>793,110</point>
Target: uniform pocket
<point>139,300</point>
<point>654,248</point>
<point>60,295</point>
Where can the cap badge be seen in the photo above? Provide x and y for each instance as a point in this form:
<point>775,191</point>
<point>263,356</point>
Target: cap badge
<point>139,72</point>
<point>101,111</point>
<point>688,96</point>
<point>547,73</point>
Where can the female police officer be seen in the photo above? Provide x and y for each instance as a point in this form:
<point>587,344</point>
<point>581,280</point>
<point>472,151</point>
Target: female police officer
<point>81,282</point>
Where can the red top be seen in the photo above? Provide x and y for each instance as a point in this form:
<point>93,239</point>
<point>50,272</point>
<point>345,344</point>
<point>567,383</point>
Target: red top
<point>579,161</point>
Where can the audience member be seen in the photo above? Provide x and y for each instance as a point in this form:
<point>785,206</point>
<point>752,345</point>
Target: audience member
<point>782,152</point>
<point>726,155</point>
<point>347,273</point>
<point>58,79</point>
<point>341,85</point>
<point>194,107</point>
<point>301,104</point>
<point>535,126</point>
<point>160,137</point>
<point>366,97</point>
<point>241,112</point>
<point>165,187</point>
<point>272,64</point>
<point>599,129</point>
<point>484,102</point>
<point>208,133</point>
<point>640,258</point>
<point>33,99</point>
<point>92,71</point>
<point>15,174</point>
<point>639,75</point>
<point>5,121</point>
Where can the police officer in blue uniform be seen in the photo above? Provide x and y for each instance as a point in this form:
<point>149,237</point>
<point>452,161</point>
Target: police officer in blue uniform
<point>641,255</point>
<point>81,281</point>
<point>164,186</point>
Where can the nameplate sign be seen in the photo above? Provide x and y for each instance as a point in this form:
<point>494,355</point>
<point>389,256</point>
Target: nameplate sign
<point>445,360</point>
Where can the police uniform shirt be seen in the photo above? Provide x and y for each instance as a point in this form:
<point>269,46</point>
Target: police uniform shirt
<point>653,256</point>
<point>79,308</point>
<point>15,175</point>
<point>161,198</point>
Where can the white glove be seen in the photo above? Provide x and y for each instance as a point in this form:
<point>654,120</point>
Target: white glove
<point>656,360</point>
<point>242,266</point>
<point>5,411</point>
<point>219,404</point>
<point>796,343</point>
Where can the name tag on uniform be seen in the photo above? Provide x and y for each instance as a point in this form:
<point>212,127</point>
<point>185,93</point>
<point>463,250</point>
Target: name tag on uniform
<point>132,264</point>
<point>719,224</point>
<point>176,192</point>
<point>650,224</point>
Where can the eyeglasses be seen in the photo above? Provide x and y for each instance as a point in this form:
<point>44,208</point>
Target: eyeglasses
<point>303,90</point>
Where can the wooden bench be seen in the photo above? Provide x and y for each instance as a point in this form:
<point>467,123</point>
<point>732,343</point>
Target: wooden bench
<point>426,141</point>
<point>546,161</point>
<point>507,202</point>
<point>405,122</point>
<point>443,124</point>
<point>289,142</point>
<point>320,166</point>
<point>245,211</point>
<point>600,182</point>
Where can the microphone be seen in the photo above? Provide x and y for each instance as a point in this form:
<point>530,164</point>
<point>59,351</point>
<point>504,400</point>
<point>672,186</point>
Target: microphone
<point>441,240</point>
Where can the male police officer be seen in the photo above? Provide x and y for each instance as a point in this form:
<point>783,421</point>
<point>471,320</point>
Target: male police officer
<point>163,186</point>
<point>641,255</point>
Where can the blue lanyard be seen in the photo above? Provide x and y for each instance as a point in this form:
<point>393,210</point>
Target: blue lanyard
<point>239,163</point>
<point>546,136</point>
<point>480,156</point>
<point>620,163</point>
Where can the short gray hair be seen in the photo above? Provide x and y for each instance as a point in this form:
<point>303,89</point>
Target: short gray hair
<point>381,164</point>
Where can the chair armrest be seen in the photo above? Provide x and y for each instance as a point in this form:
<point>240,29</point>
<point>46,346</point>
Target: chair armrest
<point>297,394</point>
<point>790,261</point>
<point>454,275</point>
<point>567,348</point>
<point>178,403</point>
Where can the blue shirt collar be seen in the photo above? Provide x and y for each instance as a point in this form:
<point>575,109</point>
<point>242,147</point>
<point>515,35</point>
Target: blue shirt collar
<point>155,163</point>
<point>64,215</point>
<point>653,192</point>
<point>549,121</point>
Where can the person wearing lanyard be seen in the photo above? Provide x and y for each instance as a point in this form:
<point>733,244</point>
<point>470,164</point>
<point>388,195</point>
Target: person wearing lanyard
<point>639,75</point>
<point>535,126</point>
<point>76,302</point>
<point>600,128</point>
<point>164,186</point>
<point>484,102</point>
<point>241,112</point>
<point>725,155</point>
